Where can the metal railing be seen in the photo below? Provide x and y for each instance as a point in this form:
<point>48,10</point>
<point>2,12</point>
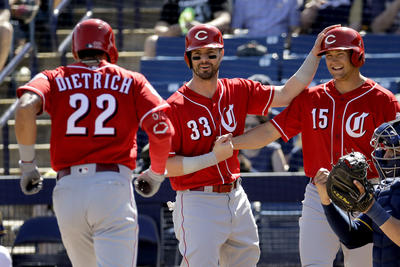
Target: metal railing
<point>10,111</point>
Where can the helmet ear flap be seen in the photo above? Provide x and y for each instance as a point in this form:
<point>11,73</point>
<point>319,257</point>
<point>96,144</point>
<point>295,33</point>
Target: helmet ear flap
<point>357,58</point>
<point>188,59</point>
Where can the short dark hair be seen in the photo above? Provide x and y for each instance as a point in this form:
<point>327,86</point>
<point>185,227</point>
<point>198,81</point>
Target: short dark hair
<point>91,53</point>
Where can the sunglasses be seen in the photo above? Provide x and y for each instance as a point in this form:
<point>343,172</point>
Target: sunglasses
<point>199,57</point>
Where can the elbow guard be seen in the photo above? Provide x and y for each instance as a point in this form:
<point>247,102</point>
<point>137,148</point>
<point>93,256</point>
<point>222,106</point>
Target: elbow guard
<point>160,130</point>
<point>158,126</point>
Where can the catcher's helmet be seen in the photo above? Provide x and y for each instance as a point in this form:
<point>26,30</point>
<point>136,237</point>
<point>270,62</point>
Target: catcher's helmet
<point>387,137</point>
<point>200,36</point>
<point>346,39</point>
<point>94,34</point>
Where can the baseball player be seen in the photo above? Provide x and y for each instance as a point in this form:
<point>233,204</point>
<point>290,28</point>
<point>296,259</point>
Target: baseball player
<point>96,108</point>
<point>380,222</point>
<point>212,216</point>
<point>333,118</point>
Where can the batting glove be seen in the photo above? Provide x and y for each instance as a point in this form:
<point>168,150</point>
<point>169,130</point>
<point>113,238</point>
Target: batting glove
<point>31,182</point>
<point>148,183</point>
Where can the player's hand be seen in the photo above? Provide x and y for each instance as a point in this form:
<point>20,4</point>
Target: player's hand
<point>317,45</point>
<point>31,182</point>
<point>223,147</point>
<point>361,188</point>
<point>320,180</point>
<point>148,183</point>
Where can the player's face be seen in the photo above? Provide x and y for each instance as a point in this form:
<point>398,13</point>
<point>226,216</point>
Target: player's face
<point>339,65</point>
<point>206,61</point>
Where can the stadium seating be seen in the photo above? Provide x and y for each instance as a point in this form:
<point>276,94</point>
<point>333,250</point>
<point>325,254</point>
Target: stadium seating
<point>39,231</point>
<point>175,46</point>
<point>149,250</point>
<point>175,70</point>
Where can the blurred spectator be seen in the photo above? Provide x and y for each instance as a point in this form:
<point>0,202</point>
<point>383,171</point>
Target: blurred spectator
<point>5,257</point>
<point>266,18</point>
<point>385,16</point>
<point>143,162</point>
<point>267,159</point>
<point>6,32</point>
<point>178,16</point>
<point>245,163</point>
<point>22,13</point>
<point>318,14</point>
<point>296,156</point>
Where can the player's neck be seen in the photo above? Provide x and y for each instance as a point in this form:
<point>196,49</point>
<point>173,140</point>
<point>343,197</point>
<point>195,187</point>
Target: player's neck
<point>203,87</point>
<point>349,84</point>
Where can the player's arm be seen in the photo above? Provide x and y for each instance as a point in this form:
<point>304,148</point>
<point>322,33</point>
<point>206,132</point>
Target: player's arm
<point>180,165</point>
<point>391,228</point>
<point>352,234</point>
<point>257,137</point>
<point>303,77</point>
<point>29,104</point>
<point>159,130</point>
<point>388,224</point>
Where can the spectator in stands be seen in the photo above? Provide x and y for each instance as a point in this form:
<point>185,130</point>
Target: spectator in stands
<point>318,14</point>
<point>266,18</point>
<point>295,160</point>
<point>178,16</point>
<point>5,257</point>
<point>385,16</point>
<point>22,13</point>
<point>266,159</point>
<point>6,32</point>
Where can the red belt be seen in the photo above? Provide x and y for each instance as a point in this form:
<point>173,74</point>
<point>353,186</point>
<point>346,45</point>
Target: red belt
<point>100,167</point>
<point>220,188</point>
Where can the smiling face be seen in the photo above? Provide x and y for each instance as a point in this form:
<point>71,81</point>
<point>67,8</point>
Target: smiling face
<point>206,61</point>
<point>339,64</point>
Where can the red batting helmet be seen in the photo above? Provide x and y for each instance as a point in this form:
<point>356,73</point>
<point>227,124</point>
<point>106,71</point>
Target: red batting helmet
<point>346,39</point>
<point>200,36</point>
<point>94,34</point>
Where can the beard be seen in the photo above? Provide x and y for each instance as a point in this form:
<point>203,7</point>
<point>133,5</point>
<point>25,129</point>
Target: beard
<point>206,75</point>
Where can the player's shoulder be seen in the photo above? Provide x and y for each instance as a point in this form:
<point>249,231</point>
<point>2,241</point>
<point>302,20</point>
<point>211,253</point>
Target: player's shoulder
<point>378,87</point>
<point>177,97</point>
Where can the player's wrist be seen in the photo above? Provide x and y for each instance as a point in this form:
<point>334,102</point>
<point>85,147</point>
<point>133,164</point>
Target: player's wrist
<point>156,176</point>
<point>26,153</point>
<point>306,72</point>
<point>378,214</point>
<point>192,164</point>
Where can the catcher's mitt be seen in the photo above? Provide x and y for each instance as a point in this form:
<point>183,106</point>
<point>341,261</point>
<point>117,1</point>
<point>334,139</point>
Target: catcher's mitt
<point>340,187</point>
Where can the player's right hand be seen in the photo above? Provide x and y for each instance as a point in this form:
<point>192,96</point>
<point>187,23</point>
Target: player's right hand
<point>223,147</point>
<point>317,44</point>
<point>148,183</point>
<point>31,182</point>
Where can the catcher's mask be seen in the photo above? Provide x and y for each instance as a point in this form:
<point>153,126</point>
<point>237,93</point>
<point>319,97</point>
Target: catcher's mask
<point>386,153</point>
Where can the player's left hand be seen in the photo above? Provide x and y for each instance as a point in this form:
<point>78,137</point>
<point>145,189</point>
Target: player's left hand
<point>317,44</point>
<point>31,182</point>
<point>148,183</point>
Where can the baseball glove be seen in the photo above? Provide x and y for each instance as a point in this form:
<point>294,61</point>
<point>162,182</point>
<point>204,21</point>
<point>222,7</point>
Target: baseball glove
<point>340,187</point>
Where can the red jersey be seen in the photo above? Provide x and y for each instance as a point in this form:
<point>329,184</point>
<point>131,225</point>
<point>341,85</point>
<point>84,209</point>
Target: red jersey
<point>333,124</point>
<point>95,112</point>
<point>199,120</point>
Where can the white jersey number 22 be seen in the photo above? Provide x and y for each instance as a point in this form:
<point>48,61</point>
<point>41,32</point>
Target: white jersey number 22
<point>80,102</point>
